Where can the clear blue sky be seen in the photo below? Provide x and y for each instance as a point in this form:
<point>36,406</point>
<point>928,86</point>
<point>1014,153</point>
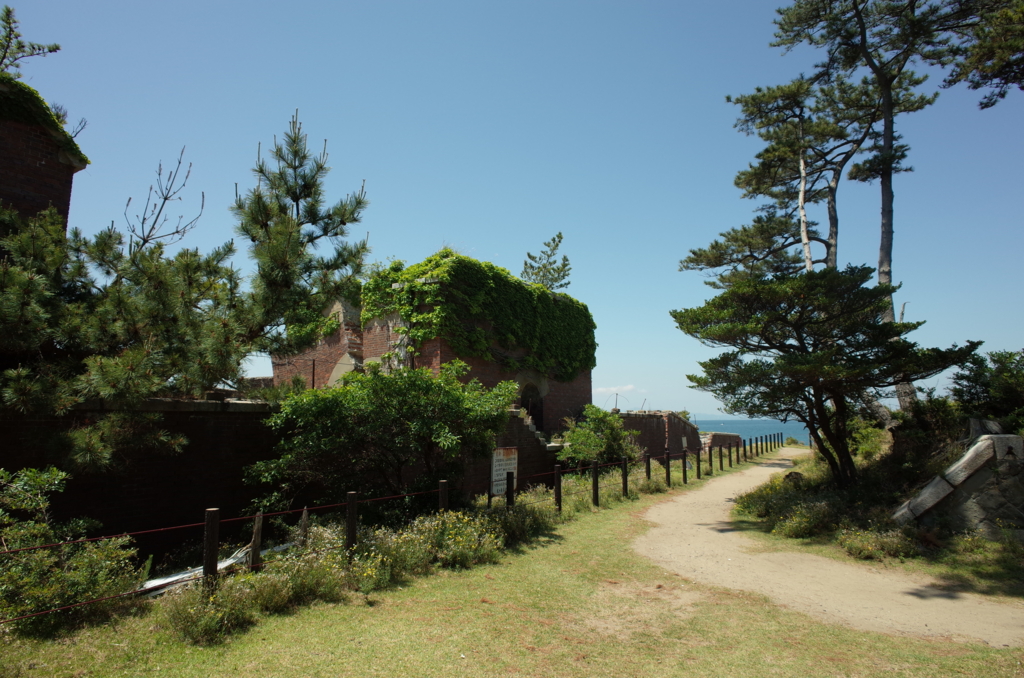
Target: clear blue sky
<point>488,127</point>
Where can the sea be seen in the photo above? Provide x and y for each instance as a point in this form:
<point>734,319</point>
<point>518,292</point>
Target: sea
<point>751,428</point>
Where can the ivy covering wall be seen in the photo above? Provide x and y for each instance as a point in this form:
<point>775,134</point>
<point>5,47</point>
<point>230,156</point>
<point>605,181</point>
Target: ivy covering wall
<point>21,103</point>
<point>482,310</point>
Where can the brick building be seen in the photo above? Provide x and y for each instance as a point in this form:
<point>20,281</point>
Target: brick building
<point>548,396</point>
<point>38,159</point>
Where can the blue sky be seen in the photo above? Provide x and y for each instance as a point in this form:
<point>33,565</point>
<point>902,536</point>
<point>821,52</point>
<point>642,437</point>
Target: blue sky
<point>488,127</point>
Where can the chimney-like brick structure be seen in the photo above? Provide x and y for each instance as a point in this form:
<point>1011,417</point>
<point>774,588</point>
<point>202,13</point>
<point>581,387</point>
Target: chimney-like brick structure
<point>38,159</point>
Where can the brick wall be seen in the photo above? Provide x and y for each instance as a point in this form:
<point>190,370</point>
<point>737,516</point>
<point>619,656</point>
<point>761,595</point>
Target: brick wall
<point>659,431</point>
<point>147,491</point>
<point>34,173</point>
<point>534,460</point>
<point>314,365</point>
<point>713,439</point>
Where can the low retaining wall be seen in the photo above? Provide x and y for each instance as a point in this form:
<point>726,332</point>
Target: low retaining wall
<point>983,490</point>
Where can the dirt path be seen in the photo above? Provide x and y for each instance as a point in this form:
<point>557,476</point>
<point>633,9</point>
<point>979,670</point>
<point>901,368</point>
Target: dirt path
<point>694,538</point>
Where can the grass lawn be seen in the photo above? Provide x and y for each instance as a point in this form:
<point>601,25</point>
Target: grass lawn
<point>577,603</point>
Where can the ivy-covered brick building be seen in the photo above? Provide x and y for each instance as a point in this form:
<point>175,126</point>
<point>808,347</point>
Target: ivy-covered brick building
<point>451,306</point>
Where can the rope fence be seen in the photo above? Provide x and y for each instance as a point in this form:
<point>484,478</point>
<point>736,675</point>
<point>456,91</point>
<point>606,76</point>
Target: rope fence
<point>750,449</point>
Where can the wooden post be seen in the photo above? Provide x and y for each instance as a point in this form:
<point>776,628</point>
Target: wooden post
<point>211,544</point>
<point>558,487</point>
<point>595,488</point>
<point>647,463</point>
<point>685,478</point>
<point>745,457</point>
<point>668,471</point>
<point>730,455</point>
<point>721,459</point>
<point>442,495</point>
<point>303,527</point>
<point>711,461</point>
<point>510,489</point>
<point>697,456</point>
<point>490,482</point>
<point>625,478</point>
<point>255,557</point>
<point>351,520</point>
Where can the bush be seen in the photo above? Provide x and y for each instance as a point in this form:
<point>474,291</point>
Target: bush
<point>869,544</point>
<point>792,442</point>
<point>203,618</point>
<point>46,579</point>
<point>458,539</point>
<point>599,436</point>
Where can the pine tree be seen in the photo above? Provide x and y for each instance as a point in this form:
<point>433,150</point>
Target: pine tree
<point>116,317</point>
<point>13,49</point>
<point>545,269</point>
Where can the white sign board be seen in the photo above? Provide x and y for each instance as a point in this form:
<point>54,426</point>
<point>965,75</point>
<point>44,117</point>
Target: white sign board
<point>505,459</point>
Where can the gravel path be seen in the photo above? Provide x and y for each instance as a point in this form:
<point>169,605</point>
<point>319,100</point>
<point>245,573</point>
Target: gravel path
<point>693,537</point>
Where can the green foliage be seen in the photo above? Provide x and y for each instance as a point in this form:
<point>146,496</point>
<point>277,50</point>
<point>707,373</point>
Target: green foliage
<point>804,347</point>
<point>599,436</point>
<point>791,441</point>
<point>761,249</point>
<point>203,618</point>
<point>116,317</point>
<point>13,49</point>
<point>992,387</point>
<point>868,439</point>
<point>45,579</point>
<point>377,424</point>
<point>545,269</point>
<point>484,311</point>
<point>875,544</point>
<point>992,55</point>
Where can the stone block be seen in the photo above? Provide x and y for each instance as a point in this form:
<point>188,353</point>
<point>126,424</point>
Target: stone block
<point>973,459</point>
<point>932,493</point>
<point>968,515</point>
<point>1006,445</point>
<point>902,515</point>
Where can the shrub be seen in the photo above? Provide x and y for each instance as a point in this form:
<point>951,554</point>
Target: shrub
<point>600,436</point>
<point>806,519</point>
<point>203,618</point>
<point>869,544</point>
<point>458,539</point>
<point>45,579</point>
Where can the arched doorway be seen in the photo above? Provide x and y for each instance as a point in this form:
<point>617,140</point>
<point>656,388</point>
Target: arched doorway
<point>531,400</point>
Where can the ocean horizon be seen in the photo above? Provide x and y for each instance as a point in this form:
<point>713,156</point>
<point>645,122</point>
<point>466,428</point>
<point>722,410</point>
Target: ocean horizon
<point>752,428</point>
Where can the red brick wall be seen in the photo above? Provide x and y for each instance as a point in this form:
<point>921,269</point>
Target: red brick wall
<point>713,440</point>
<point>32,174</point>
<point>534,466</point>
<point>564,399</point>
<point>152,490</point>
<point>326,355</point>
<point>661,430</point>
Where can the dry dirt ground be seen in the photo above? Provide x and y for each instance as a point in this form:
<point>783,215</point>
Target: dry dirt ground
<point>693,536</point>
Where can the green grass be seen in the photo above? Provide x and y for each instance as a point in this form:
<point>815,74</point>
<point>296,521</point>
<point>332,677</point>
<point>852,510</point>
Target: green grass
<point>958,562</point>
<point>578,602</point>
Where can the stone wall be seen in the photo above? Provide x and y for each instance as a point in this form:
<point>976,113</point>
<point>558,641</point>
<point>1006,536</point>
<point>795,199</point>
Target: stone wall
<point>983,490</point>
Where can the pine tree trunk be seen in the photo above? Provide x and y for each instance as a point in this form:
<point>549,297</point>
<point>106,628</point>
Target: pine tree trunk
<point>832,256</point>
<point>804,235</point>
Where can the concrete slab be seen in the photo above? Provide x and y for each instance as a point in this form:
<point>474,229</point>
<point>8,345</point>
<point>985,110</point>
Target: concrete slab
<point>973,459</point>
